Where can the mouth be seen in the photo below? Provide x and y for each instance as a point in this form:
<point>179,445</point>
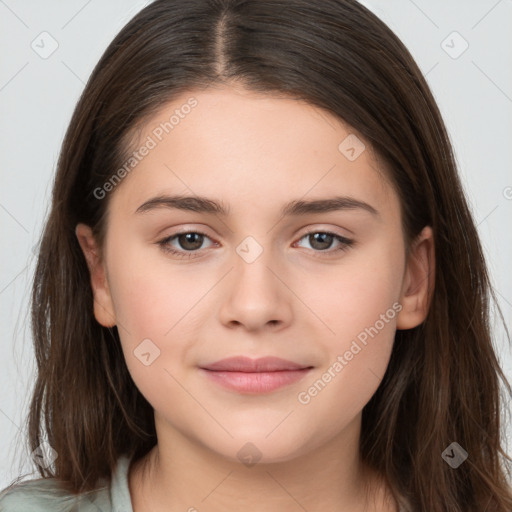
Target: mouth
<point>255,376</point>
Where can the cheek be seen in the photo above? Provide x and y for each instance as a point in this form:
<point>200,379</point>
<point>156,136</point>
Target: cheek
<point>143,301</point>
<point>152,301</point>
<point>150,292</point>
<point>154,305</point>
<point>359,305</point>
<point>355,294</point>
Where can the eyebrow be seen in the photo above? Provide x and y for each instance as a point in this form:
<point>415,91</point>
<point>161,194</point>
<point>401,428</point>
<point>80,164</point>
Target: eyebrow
<point>294,208</point>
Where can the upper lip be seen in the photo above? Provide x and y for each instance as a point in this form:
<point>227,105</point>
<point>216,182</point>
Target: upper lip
<point>246,364</point>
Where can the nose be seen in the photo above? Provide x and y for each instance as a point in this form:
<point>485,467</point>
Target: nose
<point>255,295</point>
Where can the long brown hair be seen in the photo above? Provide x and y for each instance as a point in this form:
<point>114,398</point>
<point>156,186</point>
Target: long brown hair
<point>443,383</point>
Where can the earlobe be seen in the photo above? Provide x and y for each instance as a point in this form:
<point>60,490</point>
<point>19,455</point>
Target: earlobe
<point>418,283</point>
<point>103,304</point>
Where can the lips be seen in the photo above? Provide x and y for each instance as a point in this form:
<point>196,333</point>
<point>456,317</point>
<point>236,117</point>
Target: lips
<point>263,375</point>
<point>245,364</point>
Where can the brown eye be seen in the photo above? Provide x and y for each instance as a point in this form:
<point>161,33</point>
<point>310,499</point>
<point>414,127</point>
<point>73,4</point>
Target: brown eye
<point>190,241</point>
<point>188,244</point>
<point>322,241</point>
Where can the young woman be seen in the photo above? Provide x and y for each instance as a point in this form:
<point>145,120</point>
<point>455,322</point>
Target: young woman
<point>260,286</point>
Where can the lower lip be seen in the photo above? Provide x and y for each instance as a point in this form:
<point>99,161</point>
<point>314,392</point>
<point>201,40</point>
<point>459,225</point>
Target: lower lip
<point>256,382</point>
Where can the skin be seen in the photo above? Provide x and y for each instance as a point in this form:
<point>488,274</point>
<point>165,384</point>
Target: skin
<point>294,301</point>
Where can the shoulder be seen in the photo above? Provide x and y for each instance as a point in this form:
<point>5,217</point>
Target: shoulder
<point>47,494</point>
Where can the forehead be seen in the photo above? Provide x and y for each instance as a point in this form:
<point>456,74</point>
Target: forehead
<point>245,148</point>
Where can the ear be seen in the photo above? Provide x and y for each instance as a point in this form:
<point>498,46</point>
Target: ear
<point>103,304</point>
<point>418,283</point>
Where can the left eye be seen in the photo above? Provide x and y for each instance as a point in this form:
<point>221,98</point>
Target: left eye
<point>192,241</point>
<point>322,241</point>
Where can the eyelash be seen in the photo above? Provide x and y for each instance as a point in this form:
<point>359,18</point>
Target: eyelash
<point>346,243</point>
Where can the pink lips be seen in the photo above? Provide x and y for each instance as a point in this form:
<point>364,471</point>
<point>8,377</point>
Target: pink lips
<point>261,375</point>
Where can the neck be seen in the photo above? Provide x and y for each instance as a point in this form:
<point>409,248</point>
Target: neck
<point>179,474</point>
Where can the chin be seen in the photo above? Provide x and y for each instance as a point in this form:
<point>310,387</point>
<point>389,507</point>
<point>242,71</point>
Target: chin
<point>258,448</point>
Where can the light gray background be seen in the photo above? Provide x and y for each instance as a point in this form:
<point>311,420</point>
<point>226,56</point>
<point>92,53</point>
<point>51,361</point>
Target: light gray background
<point>37,96</point>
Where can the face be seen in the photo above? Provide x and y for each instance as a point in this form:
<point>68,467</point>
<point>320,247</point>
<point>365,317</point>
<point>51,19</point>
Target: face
<point>281,273</point>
